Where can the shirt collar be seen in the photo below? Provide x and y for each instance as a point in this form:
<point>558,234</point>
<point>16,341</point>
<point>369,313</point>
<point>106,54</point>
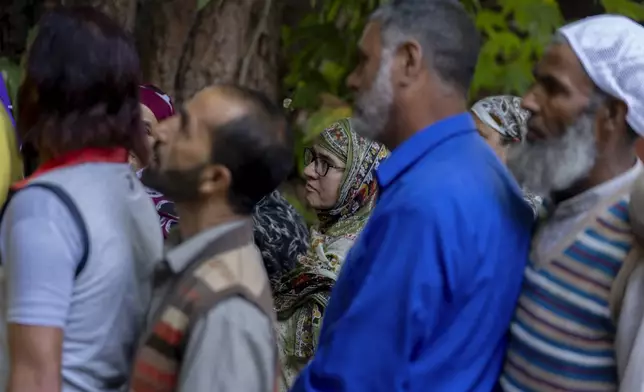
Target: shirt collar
<point>180,256</point>
<point>586,200</point>
<point>414,148</point>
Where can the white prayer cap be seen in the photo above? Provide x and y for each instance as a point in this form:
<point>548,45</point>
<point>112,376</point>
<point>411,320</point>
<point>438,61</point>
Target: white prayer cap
<point>611,50</point>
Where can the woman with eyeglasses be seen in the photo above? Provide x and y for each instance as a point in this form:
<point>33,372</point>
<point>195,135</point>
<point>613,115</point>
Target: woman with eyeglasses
<point>341,186</point>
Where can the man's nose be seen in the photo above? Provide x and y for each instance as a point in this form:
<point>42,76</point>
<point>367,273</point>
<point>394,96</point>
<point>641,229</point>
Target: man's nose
<point>529,101</point>
<point>352,81</point>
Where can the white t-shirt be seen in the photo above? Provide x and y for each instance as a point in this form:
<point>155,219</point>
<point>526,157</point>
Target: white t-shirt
<point>103,310</point>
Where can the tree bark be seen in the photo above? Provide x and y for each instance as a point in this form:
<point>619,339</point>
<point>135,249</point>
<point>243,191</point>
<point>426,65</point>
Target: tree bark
<point>16,18</point>
<point>232,41</point>
<point>122,11</point>
<point>162,30</point>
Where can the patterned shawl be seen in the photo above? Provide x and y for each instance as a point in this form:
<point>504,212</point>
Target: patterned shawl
<point>504,114</point>
<point>168,217</point>
<point>302,295</point>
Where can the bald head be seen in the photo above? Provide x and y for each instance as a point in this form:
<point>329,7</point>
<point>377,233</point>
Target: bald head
<point>249,136</point>
<point>215,106</point>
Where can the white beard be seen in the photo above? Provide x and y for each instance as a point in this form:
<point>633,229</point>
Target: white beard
<point>548,166</point>
<point>374,105</point>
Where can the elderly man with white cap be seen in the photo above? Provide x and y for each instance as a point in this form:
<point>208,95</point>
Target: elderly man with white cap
<point>578,319</point>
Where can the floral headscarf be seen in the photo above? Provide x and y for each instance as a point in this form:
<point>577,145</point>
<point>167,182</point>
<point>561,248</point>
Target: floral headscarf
<point>358,187</point>
<point>504,114</point>
<point>302,295</point>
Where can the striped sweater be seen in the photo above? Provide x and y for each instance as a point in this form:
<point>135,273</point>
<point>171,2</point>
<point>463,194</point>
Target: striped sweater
<point>229,266</point>
<point>562,336</point>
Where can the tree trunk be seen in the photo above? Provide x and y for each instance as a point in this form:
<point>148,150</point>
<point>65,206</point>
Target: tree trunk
<point>162,30</point>
<point>16,18</point>
<point>232,41</point>
<point>122,11</point>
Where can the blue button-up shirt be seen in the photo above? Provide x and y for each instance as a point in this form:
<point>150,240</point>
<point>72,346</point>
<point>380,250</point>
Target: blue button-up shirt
<point>426,295</point>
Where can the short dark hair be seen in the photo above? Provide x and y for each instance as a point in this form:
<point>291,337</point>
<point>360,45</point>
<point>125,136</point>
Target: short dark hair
<point>81,87</point>
<point>257,148</point>
<point>447,34</point>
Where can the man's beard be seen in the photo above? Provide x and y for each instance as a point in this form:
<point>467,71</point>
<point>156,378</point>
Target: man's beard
<point>548,166</point>
<point>374,105</point>
<point>177,185</point>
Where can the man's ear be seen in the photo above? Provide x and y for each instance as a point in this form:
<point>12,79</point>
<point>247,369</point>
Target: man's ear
<point>611,122</point>
<point>615,117</point>
<point>617,111</point>
<point>214,179</point>
<point>408,63</point>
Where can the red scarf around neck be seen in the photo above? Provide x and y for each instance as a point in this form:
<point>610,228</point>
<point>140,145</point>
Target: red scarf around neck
<point>77,157</point>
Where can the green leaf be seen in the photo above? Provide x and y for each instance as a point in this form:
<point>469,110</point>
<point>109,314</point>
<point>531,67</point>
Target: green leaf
<point>286,35</point>
<point>624,7</point>
<point>306,95</point>
<point>472,6</point>
<point>517,77</point>
<point>489,21</point>
<point>537,16</point>
<point>333,74</point>
<point>320,50</point>
<point>201,4</point>
<point>334,10</point>
<point>317,32</point>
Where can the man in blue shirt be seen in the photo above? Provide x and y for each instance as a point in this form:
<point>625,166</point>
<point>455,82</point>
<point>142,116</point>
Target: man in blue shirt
<point>425,297</point>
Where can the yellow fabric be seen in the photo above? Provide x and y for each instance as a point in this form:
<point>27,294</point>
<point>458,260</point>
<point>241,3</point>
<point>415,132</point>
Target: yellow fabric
<point>10,161</point>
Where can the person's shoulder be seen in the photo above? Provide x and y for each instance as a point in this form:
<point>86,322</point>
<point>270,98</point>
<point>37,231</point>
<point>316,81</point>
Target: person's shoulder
<point>274,209</point>
<point>278,225</point>
<point>36,202</point>
<point>443,172</point>
<point>37,215</point>
<point>458,196</point>
<point>239,314</point>
<point>271,201</point>
<point>429,195</point>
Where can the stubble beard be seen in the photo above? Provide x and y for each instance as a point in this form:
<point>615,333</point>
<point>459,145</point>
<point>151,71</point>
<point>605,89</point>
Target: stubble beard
<point>179,186</point>
<point>373,107</point>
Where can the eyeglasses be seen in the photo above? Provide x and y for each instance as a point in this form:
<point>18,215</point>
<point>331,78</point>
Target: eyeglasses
<point>321,165</point>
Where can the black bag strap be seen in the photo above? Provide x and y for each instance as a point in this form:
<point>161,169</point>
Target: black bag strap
<point>71,206</point>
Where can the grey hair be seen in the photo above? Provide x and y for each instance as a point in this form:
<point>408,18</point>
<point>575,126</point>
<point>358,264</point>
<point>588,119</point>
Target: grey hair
<point>446,33</point>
